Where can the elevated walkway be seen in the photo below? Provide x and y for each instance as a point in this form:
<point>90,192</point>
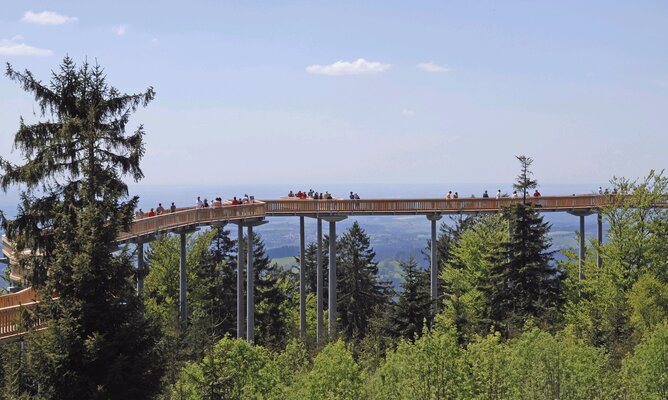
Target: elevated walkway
<point>186,219</point>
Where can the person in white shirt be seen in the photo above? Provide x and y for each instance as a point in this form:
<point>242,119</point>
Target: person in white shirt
<point>199,203</point>
<point>498,194</point>
<point>514,194</point>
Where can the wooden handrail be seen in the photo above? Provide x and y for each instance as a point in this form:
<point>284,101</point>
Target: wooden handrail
<point>10,326</point>
<point>24,296</point>
<point>426,206</point>
<point>190,217</point>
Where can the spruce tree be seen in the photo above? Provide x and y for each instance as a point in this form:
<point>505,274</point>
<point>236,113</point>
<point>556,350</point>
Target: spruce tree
<point>413,307</point>
<point>98,343</point>
<point>224,249</point>
<point>273,288</point>
<point>310,270</point>
<point>360,293</point>
<point>524,284</point>
<point>524,180</point>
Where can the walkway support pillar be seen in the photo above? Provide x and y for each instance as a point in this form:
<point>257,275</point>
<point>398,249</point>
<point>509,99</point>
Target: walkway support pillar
<point>582,214</point>
<point>302,280</point>
<point>332,279</point>
<point>319,288</point>
<point>250,289</point>
<point>599,220</point>
<point>183,285</point>
<point>434,263</point>
<point>331,290</point>
<point>582,246</point>
<point>241,299</point>
<point>140,268</point>
<point>250,280</point>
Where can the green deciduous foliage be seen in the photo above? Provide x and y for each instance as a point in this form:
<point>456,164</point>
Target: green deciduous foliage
<point>542,366</point>
<point>485,369</point>
<point>648,300</point>
<point>335,375</point>
<point>467,275</point>
<point>625,298</point>
<point>234,369</point>
<point>430,368</point>
<point>644,373</point>
<point>638,232</point>
<point>98,344</point>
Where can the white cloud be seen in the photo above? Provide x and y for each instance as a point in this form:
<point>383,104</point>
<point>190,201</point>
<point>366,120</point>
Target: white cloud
<point>47,18</point>
<point>407,111</point>
<point>154,40</point>
<point>431,67</point>
<point>120,30</point>
<point>11,47</point>
<point>357,67</point>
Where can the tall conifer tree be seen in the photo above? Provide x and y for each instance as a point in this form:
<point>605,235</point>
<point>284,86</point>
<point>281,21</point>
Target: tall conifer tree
<point>524,283</point>
<point>413,307</point>
<point>98,343</point>
<point>360,292</point>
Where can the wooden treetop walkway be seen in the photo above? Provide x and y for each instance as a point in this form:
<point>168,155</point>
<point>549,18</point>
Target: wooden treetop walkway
<point>144,229</point>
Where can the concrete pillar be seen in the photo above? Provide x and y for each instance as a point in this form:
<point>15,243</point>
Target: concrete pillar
<point>140,268</point>
<point>183,285</point>
<point>434,263</point>
<point>599,220</point>
<point>332,279</point>
<point>582,246</point>
<point>241,301</point>
<point>250,289</point>
<point>319,288</point>
<point>302,280</point>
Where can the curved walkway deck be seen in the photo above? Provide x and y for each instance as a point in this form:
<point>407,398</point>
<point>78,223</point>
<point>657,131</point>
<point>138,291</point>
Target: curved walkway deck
<point>192,217</point>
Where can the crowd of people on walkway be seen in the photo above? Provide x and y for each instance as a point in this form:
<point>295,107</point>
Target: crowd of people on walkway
<point>215,203</point>
<point>314,195</point>
<point>514,195</point>
<point>485,195</point>
<point>159,210</point>
<point>218,201</point>
<point>311,194</point>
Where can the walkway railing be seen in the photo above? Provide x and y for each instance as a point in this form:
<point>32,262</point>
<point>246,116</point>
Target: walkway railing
<point>191,217</point>
<point>12,307</point>
<point>14,299</point>
<point>426,206</point>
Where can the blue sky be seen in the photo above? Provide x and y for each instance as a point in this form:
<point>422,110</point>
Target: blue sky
<point>366,92</point>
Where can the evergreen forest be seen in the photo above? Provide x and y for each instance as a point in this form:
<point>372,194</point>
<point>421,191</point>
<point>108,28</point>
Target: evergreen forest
<point>510,321</point>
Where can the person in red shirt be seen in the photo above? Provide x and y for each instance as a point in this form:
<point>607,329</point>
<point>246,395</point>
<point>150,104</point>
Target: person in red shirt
<point>151,213</point>
<point>536,193</point>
